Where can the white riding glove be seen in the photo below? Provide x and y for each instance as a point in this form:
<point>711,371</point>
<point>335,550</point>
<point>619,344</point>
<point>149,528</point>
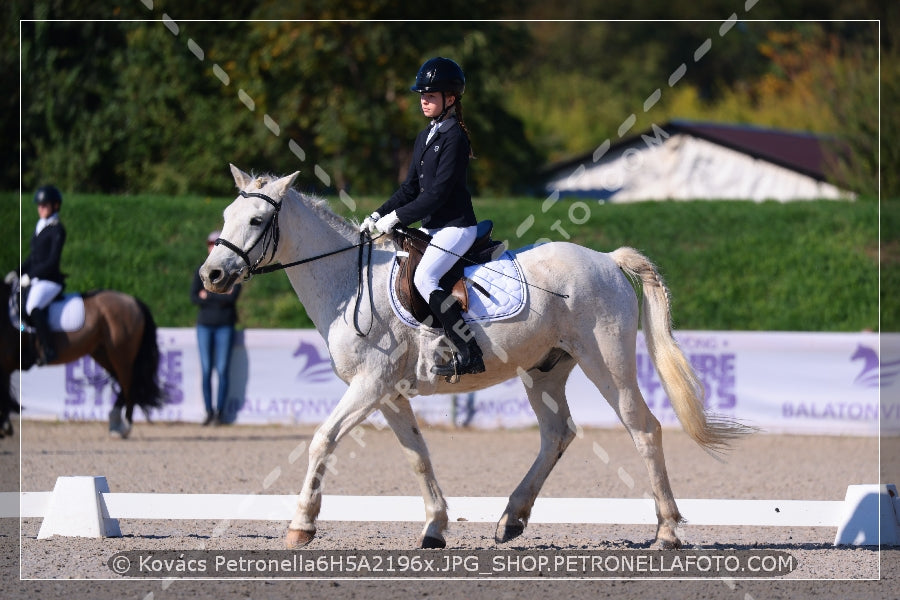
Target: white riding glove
<point>25,281</point>
<point>369,223</point>
<point>11,277</point>
<point>388,222</point>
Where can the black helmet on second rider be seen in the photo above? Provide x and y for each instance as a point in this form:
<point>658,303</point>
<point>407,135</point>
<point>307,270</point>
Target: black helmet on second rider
<point>440,74</point>
<point>48,194</point>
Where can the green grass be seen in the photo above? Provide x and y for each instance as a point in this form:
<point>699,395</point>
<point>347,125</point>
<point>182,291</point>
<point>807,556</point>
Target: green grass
<point>890,266</point>
<point>806,266</point>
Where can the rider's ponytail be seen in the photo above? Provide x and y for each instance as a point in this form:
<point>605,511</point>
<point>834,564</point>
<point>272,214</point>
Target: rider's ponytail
<point>462,123</point>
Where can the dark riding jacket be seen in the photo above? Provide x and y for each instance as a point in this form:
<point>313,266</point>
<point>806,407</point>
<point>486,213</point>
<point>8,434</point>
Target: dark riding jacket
<point>46,254</point>
<point>434,191</point>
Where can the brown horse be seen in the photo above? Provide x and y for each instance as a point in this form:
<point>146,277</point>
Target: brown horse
<point>119,333</point>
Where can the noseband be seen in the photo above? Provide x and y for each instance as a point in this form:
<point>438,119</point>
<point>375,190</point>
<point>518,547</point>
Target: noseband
<point>269,236</point>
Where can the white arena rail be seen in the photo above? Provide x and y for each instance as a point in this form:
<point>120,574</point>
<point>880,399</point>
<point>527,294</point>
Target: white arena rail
<point>84,506</point>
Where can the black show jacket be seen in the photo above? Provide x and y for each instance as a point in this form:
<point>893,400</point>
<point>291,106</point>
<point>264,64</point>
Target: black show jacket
<point>435,188</point>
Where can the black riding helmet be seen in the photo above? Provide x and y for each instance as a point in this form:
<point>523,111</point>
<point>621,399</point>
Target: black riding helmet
<point>440,75</point>
<point>48,194</point>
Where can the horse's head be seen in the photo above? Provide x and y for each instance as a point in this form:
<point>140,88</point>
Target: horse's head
<point>250,233</point>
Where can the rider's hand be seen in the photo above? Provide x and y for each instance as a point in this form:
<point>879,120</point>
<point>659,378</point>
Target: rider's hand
<point>11,277</point>
<point>25,281</point>
<point>388,222</point>
<point>369,223</point>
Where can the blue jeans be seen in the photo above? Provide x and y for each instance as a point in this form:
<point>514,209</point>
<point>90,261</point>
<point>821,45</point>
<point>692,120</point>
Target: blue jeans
<point>215,352</point>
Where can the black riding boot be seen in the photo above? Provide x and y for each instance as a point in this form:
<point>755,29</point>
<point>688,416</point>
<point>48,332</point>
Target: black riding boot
<point>467,356</point>
<point>44,336</point>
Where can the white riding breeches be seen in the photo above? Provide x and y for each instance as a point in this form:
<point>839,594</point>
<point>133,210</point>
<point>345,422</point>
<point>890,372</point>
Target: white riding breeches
<point>447,245</point>
<point>41,293</point>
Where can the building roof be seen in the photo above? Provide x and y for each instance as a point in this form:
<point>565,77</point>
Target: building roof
<point>804,152</point>
<point>801,151</point>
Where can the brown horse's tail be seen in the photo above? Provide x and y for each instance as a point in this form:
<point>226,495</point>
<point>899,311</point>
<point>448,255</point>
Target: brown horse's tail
<point>145,388</point>
<point>684,388</point>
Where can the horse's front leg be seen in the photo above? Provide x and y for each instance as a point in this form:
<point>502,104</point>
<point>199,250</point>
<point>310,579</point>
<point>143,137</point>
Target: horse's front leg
<point>357,403</point>
<point>399,415</point>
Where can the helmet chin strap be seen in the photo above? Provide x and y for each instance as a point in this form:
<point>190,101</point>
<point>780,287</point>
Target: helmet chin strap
<point>446,108</point>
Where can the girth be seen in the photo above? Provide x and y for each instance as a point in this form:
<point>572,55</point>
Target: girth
<point>411,245</point>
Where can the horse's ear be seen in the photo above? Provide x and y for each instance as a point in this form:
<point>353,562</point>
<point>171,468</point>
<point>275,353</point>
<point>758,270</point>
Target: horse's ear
<point>284,183</point>
<point>241,179</point>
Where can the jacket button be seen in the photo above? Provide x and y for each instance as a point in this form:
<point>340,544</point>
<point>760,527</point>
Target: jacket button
<point>421,189</point>
<point>421,176</point>
<point>421,162</point>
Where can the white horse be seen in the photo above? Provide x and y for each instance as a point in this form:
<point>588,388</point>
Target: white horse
<point>593,326</point>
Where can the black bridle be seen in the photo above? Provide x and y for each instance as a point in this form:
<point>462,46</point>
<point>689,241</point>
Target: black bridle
<point>270,237</point>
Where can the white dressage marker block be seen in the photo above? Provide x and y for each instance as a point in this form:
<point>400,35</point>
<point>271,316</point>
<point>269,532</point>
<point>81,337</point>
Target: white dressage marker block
<point>84,507</point>
<point>76,509</point>
<point>24,504</point>
<point>870,516</point>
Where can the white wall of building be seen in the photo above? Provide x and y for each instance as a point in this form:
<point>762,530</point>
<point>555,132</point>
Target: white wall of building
<point>683,167</point>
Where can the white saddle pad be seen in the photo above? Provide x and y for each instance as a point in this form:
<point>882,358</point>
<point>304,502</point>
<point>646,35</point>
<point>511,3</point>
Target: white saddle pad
<point>501,278</point>
<point>67,314</point>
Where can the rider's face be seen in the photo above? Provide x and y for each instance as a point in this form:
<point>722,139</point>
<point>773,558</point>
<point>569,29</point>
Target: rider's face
<point>432,103</point>
<point>45,209</point>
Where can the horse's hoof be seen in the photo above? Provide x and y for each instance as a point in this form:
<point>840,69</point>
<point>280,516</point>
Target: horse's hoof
<point>667,544</point>
<point>297,538</point>
<point>430,542</point>
<point>119,434</point>
<point>508,532</point>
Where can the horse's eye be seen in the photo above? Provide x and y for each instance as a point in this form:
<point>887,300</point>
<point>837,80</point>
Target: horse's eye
<point>256,221</point>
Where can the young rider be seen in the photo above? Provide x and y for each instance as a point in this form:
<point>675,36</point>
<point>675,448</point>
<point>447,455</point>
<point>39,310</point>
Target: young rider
<point>40,271</point>
<point>435,193</point>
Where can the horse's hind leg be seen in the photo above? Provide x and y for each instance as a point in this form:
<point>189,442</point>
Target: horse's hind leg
<point>620,388</point>
<point>547,395</point>
<point>118,427</point>
<point>399,415</point>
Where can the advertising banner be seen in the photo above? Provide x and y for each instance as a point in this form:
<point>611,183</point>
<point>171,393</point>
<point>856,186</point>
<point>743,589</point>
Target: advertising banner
<point>804,383</point>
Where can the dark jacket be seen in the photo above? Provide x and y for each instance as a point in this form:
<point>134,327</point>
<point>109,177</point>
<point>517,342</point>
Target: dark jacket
<point>435,189</point>
<point>46,253</point>
<point>217,309</point>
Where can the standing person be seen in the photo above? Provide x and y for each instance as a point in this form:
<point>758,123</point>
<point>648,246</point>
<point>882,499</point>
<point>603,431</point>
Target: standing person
<point>435,193</point>
<point>215,333</point>
<point>40,272</point>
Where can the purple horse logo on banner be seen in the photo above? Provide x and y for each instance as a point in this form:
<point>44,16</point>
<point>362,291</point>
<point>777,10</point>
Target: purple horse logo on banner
<point>874,372</point>
<point>313,368</point>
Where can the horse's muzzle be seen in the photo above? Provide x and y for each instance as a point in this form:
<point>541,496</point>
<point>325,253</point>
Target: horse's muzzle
<point>216,280</point>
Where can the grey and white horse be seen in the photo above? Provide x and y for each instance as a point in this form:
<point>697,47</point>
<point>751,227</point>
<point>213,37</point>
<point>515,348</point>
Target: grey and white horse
<point>592,322</point>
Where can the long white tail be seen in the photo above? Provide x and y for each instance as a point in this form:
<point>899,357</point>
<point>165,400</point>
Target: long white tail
<point>685,390</point>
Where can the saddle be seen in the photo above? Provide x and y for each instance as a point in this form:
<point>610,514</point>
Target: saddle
<point>411,245</point>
